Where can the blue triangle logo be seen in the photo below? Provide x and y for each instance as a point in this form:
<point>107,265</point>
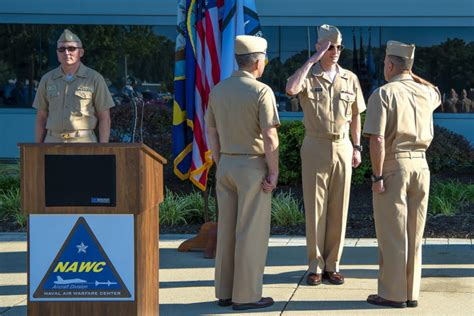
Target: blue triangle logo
<point>81,269</point>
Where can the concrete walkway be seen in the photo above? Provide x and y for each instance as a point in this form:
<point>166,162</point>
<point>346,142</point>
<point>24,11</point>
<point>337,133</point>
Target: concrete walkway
<point>186,279</point>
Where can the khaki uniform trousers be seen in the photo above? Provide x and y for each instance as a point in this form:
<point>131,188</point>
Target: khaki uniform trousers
<point>88,137</point>
<point>326,173</point>
<point>400,216</point>
<point>243,228</point>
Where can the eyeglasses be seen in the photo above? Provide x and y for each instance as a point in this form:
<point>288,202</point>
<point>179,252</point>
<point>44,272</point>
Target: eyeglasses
<point>70,49</point>
<point>339,47</point>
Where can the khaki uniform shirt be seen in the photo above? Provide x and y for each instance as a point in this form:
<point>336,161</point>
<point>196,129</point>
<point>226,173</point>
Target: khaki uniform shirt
<point>72,105</point>
<point>239,108</point>
<point>328,106</point>
<point>402,112</point>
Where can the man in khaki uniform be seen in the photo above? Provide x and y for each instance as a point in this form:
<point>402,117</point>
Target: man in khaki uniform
<point>241,127</point>
<point>72,99</point>
<point>400,125</point>
<point>332,100</point>
<point>464,104</point>
<point>451,102</point>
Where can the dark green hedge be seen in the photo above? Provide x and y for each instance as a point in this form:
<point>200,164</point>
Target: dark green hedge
<point>448,152</point>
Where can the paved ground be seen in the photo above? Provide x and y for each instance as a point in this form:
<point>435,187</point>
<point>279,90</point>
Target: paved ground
<point>186,279</point>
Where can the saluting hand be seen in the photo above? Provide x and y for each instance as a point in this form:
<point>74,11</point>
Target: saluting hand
<point>378,187</point>
<point>324,46</point>
<point>269,183</point>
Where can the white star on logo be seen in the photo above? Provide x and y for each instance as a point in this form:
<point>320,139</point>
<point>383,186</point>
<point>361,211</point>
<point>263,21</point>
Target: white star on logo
<point>81,248</point>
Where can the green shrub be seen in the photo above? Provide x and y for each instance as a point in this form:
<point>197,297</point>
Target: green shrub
<point>195,205</point>
<point>10,206</point>
<point>173,210</point>
<point>286,210</point>
<point>185,208</point>
<point>449,151</point>
<point>9,182</point>
<point>450,197</point>
<point>9,177</point>
<point>291,134</point>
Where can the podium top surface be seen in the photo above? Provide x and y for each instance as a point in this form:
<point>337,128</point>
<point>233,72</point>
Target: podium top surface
<point>139,146</point>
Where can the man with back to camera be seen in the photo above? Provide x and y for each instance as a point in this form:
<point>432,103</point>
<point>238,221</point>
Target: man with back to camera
<point>400,126</point>
<point>332,100</point>
<point>72,99</point>
<point>241,126</point>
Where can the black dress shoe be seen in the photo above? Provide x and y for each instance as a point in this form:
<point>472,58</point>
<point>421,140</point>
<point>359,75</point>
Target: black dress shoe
<point>380,301</point>
<point>264,302</point>
<point>335,278</point>
<point>411,303</point>
<point>224,302</point>
<point>313,279</point>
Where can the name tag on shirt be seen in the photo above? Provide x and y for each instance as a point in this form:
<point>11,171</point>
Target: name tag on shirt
<point>318,89</point>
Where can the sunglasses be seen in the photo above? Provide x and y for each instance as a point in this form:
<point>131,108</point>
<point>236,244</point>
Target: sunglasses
<point>70,49</point>
<point>339,47</point>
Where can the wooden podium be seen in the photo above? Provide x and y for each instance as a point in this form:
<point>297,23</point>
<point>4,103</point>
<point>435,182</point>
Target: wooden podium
<point>61,180</point>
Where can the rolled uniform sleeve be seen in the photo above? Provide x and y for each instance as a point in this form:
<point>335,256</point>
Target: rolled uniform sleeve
<point>41,101</point>
<point>268,114</point>
<point>102,98</point>
<point>376,118</point>
<point>359,104</point>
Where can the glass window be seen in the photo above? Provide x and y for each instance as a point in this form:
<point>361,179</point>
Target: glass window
<point>444,56</point>
<point>27,52</point>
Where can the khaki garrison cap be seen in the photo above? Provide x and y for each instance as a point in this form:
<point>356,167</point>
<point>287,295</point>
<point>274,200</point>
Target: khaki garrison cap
<point>247,44</point>
<point>400,49</point>
<point>69,36</point>
<point>329,33</point>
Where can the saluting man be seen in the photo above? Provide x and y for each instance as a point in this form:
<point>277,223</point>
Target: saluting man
<point>400,126</point>
<point>332,100</point>
<point>241,126</point>
<point>72,99</point>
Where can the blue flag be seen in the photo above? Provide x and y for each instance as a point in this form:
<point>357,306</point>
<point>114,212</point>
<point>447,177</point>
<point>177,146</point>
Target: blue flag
<point>240,18</point>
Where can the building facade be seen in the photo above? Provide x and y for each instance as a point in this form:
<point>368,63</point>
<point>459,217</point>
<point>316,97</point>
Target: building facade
<point>123,38</point>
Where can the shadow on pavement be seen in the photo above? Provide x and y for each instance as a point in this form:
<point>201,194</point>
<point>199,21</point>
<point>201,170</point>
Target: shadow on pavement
<point>296,256</point>
<point>13,290</point>
<point>12,262</point>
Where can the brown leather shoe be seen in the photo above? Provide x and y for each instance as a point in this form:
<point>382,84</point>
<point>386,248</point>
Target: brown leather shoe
<point>264,302</point>
<point>335,278</point>
<point>224,302</point>
<point>313,279</point>
<point>380,301</point>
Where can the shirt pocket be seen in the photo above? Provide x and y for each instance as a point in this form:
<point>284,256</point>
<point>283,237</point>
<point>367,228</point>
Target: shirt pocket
<point>52,94</point>
<point>85,102</point>
<point>347,99</point>
<point>317,97</point>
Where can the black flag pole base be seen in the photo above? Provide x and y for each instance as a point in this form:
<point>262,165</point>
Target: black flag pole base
<point>206,240</point>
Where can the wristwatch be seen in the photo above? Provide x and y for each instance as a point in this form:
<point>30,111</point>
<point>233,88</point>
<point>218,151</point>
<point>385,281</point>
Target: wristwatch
<point>358,147</point>
<point>376,178</point>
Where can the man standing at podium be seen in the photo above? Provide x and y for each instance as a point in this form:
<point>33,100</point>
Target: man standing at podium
<point>241,127</point>
<point>72,100</point>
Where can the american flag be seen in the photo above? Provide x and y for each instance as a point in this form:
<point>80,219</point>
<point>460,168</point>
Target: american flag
<point>202,71</point>
<point>208,45</point>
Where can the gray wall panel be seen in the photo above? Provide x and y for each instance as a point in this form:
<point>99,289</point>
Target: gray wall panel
<point>272,12</point>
